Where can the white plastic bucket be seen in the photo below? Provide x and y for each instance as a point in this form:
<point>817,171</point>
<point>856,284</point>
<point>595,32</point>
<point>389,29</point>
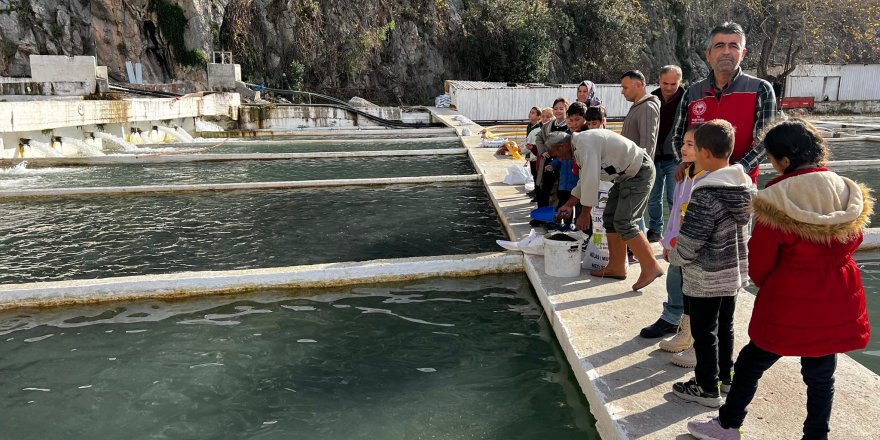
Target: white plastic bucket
<point>562,257</point>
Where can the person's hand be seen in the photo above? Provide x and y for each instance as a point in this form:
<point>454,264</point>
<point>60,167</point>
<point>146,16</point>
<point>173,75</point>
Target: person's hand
<point>545,155</point>
<point>564,212</point>
<point>666,254</point>
<point>679,171</point>
<point>583,220</point>
<point>549,168</point>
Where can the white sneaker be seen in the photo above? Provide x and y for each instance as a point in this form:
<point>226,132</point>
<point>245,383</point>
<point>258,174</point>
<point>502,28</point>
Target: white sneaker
<point>685,359</point>
<point>712,430</point>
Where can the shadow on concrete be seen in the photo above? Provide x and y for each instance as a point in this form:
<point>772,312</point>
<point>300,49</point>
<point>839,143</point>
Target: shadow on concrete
<point>629,293</point>
<point>624,382</point>
<point>672,412</point>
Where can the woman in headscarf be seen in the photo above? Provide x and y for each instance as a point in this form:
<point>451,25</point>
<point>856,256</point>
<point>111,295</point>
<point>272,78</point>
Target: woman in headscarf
<point>586,93</point>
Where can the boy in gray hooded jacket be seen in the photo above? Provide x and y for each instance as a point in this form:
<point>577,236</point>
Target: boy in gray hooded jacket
<point>711,250</point>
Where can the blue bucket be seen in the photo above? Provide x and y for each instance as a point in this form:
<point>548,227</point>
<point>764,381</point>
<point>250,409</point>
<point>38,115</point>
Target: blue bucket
<point>545,214</point>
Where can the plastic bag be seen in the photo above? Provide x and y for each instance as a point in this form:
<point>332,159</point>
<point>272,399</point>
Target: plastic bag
<point>596,249</point>
<point>531,244</point>
<point>517,175</point>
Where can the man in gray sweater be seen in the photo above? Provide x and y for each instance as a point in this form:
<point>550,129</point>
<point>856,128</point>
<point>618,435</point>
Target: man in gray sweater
<point>604,155</point>
<point>642,122</point>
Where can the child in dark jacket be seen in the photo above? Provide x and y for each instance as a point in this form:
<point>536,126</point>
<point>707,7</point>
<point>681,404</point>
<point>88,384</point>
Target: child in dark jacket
<point>810,303</point>
<point>711,250</point>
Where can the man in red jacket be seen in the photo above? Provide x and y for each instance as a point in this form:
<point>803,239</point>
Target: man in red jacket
<point>727,93</point>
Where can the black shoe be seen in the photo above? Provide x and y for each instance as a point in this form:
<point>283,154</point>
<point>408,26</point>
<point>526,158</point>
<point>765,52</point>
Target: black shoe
<point>658,329</point>
<point>692,392</point>
<point>654,237</point>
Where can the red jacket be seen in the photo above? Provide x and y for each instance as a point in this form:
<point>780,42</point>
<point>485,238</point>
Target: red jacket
<point>811,301</point>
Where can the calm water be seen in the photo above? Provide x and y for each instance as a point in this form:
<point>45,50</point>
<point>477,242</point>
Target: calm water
<point>854,150</point>
<point>96,237</point>
<point>445,359</point>
<point>871,178</point>
<point>869,262</point>
<point>229,172</point>
<point>301,147</point>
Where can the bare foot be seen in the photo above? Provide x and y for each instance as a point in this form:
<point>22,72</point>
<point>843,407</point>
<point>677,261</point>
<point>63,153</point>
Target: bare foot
<point>603,273</point>
<point>648,275</point>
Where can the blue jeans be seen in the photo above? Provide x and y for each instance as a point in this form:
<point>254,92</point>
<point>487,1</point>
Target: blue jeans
<point>664,179</point>
<point>673,307</point>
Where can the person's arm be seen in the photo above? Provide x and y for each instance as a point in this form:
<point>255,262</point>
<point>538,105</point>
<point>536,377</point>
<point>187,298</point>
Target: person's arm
<point>650,127</point>
<point>679,127</point>
<point>764,249</point>
<point>696,230</point>
<point>765,112</point>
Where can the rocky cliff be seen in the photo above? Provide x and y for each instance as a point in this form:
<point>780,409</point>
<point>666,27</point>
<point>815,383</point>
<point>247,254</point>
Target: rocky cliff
<point>389,51</point>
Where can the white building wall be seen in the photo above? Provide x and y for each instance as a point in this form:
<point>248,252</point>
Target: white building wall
<point>496,101</point>
<point>851,82</point>
<point>52,68</point>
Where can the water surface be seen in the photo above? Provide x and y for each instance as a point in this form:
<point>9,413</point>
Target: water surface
<point>47,239</point>
<point>445,359</point>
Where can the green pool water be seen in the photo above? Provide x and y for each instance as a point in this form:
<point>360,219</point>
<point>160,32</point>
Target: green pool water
<point>28,177</point>
<point>854,150</point>
<point>48,239</point>
<point>443,358</point>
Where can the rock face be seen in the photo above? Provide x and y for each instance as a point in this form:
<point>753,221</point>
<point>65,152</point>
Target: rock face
<point>386,51</point>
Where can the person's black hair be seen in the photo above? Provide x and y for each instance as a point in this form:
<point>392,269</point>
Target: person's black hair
<point>634,75</point>
<point>799,141</point>
<point>577,108</point>
<point>595,113</point>
<point>726,28</point>
<point>717,136</point>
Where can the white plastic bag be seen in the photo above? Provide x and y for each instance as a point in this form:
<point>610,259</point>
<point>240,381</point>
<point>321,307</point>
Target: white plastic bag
<point>531,244</point>
<point>517,175</point>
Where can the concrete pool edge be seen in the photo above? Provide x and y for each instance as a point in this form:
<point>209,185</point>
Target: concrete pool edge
<point>626,380</point>
<point>185,284</point>
<point>296,184</point>
<point>176,157</point>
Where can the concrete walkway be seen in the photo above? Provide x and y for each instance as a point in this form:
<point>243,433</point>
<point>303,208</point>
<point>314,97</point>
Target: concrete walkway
<point>627,379</point>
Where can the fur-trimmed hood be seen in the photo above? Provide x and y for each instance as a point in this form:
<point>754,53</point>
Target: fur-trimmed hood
<point>818,206</point>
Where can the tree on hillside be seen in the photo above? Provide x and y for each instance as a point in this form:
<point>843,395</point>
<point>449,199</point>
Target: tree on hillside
<point>789,32</point>
<point>829,31</point>
<point>510,40</point>
<point>607,39</point>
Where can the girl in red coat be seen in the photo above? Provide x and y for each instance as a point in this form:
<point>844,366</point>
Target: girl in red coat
<point>810,303</point>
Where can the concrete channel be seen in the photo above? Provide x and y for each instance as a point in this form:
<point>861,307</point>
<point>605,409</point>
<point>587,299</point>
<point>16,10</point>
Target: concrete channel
<point>628,380</point>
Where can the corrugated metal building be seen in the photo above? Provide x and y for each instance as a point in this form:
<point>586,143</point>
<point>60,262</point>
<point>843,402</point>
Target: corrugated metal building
<point>835,82</point>
<point>493,101</point>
